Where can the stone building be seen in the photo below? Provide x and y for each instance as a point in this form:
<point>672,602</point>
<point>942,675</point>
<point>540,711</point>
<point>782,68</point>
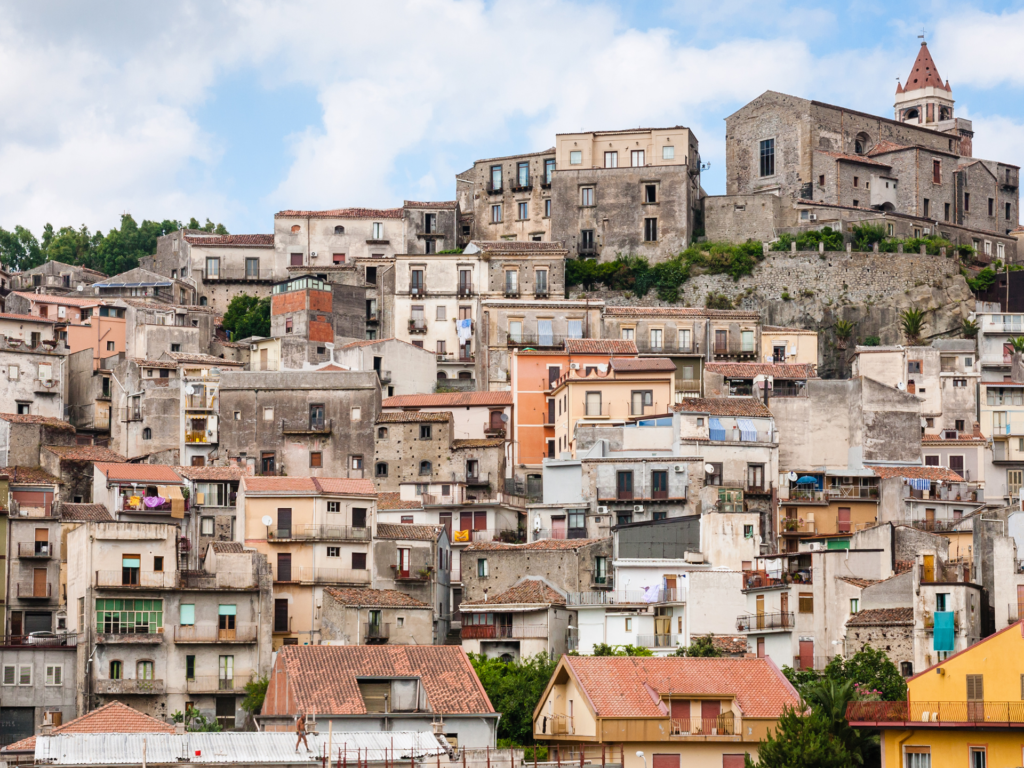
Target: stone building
<point>374,616</point>
<point>213,508</point>
<point>308,316</point>
<point>141,283</point>
<point>73,464</point>
<point>299,423</point>
<point>54,278</point>
<point>35,375</point>
<point>890,630</point>
<point>528,619</point>
<point>327,238</point>
<point>33,601</point>
<point>403,369</point>
<point>507,198</point>
<point>429,227</point>
<point>24,437</point>
<point>634,192</point>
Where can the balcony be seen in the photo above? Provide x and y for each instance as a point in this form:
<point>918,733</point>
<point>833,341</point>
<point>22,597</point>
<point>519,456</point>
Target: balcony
<point>224,580</point>
<point>723,725</point>
<point>32,591</point>
<point>319,533</point>
<point>239,276</point>
<point>504,535</point>
<point>372,319</point>
<point>417,326</point>
<point>929,620</point>
<point>545,180</point>
<point>511,291</point>
<point>762,579</point>
<point>651,596</point>
<point>36,550</point>
<point>735,354</point>
<point>501,632</point>
<point>140,635</point>
<point>659,641</point>
<point>465,290</point>
<point>521,182</point>
<point>135,579</point>
<point>494,432</point>
<point>377,634</point>
<point>310,575</point>
<point>384,376</point>
<point>866,492</point>
<point>202,402</point>
<point>218,684</point>
<point>212,633</point>
<point>494,188</point>
<point>128,687</point>
<point>46,386</point>
<point>544,340</point>
<point>933,525</point>
<point>735,436</point>
<point>200,436</point>
<point>307,427</point>
<point>40,640</point>
<point>482,478</point>
<point>807,496</point>
<point>926,714</point>
<point>760,622</point>
<point>132,414</point>
<point>647,348</point>
<point>417,289</point>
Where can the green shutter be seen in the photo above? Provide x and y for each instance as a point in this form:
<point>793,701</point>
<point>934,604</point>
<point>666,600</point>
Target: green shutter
<point>226,610</point>
<point>188,614</point>
<point>131,562</point>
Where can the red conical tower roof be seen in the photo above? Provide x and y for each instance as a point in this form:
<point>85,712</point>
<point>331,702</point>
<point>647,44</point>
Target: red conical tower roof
<point>924,73</point>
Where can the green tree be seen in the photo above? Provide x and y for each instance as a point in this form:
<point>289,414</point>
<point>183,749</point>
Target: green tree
<point>869,670</point>
<point>702,646</point>
<point>514,689</point>
<point>969,329</point>
<point>912,323</point>
<point>843,330</point>
<point>603,649</point>
<point>801,740</point>
<point>19,249</point>
<point>829,699</point>
<point>247,316</point>
<point>255,694</point>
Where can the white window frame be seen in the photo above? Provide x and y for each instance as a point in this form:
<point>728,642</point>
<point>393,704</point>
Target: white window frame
<point>54,675</point>
<point>496,214</point>
<point>637,154</point>
<point>668,152</point>
<point>611,159</point>
<point>576,157</point>
<point>14,674</point>
<point>378,230</point>
<point>21,671</point>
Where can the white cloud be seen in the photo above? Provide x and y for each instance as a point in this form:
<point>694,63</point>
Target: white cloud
<point>981,49</point>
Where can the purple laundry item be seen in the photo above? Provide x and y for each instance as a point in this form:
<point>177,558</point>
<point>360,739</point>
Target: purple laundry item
<point>153,501</point>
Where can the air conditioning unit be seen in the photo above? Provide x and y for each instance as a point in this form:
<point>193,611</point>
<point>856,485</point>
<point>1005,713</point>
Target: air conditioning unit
<point>602,510</point>
<point>312,254</point>
<point>574,366</point>
<point>813,217</point>
<point>693,557</point>
<point>679,468</point>
<point>254,347</point>
<point>638,507</point>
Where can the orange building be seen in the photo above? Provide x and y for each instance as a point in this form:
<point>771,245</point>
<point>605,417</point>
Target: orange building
<point>83,323</point>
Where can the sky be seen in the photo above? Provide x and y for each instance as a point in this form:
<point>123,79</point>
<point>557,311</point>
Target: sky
<point>235,109</point>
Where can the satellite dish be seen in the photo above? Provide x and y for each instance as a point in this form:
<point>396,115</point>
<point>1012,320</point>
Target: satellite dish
<point>536,523</point>
<point>709,468</point>
<point>267,520</point>
<point>504,417</point>
<point>189,390</point>
<point>792,477</point>
<point>901,386</point>
<point>81,287</point>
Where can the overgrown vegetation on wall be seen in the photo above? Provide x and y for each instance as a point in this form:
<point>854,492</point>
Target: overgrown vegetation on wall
<point>809,240</point>
<point>866,235</point>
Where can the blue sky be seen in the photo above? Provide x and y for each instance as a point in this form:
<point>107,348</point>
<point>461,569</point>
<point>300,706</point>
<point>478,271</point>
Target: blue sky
<point>236,109</point>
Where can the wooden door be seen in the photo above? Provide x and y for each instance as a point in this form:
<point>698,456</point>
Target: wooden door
<point>680,714</point>
<point>929,519</point>
<point>733,761</point>
<point>975,698</point>
<point>39,582</point>
<point>760,647</point>
<point>558,527</point>
<point>929,568</point>
<point>56,718</point>
<point>784,608</point>
<point>665,761</point>
<point>670,587</point>
<point>42,546</point>
<point>198,461</point>
<point>709,712</point>
<point>281,615</point>
<point>284,566</point>
<point>844,520</point>
<point>403,562</point>
<point>284,523</point>
<point>760,611</point>
<point>806,654</point>
<point>263,359</point>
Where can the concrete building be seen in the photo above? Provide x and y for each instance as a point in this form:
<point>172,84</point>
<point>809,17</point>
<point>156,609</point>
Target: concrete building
<point>507,198</point>
<point>141,283</point>
<point>326,238</point>
<point>366,616</point>
<point>381,688</point>
<point>73,465</point>
<point>475,415</point>
<point>626,192</point>
<point>430,227</point>
<point>54,278</point>
<point>38,685</point>
<point>24,437</point>
<point>321,538</point>
<point>403,369</point>
<point>33,601</point>
<point>300,423</point>
<point>528,619</point>
<point>789,345</point>
<point>214,511</point>
<point>142,493</point>
<point>35,374</point>
<point>308,316</point>
<point>752,379</point>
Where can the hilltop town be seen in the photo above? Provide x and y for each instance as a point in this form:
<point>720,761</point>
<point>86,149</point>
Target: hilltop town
<point>694,450</point>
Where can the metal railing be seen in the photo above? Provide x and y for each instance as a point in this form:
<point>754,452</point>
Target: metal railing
<point>199,436</point>
<point>33,591</point>
<point>216,683</point>
<point>759,621</point>
<point>916,712</point>
<point>132,414</point>
<point>322,532</point>
<point>378,632</point>
<point>330,575</point>
<point>504,535</point>
<point>659,641</point>
<point>465,290</point>
<point>650,596</point>
<point>307,427</point>
<point>723,725</point>
<point>762,579</point>
<point>239,275</point>
<point>538,339</point>
<point>31,549</point>
<point>929,619</point>
<point>521,182</point>
<point>853,492</point>
<point>494,188</point>
<point>646,347</point>
<point>139,580</point>
<point>220,580</point>
<point>199,402</point>
<point>495,631</point>
<point>735,436</point>
<point>417,326</point>
<point>807,494</point>
<point>212,633</point>
<point>40,640</point>
<point>936,526</point>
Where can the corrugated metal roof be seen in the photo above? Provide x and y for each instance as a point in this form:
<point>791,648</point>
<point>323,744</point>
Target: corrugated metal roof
<point>241,748</point>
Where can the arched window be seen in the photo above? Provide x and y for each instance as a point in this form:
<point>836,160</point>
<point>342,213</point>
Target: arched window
<point>339,230</point>
<point>115,670</point>
<point>382,433</point>
<point>425,468</point>
<point>381,470</point>
<point>862,143</point>
<point>296,228</point>
<point>147,434</point>
<point>441,375</point>
<point>912,114</point>
<point>465,375</point>
<point>202,301</point>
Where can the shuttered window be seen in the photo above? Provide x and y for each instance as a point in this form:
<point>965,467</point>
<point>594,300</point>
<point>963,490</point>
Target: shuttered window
<point>975,687</point>
<point>806,602</point>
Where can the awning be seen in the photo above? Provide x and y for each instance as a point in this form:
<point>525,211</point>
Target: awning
<point>919,483</point>
<point>173,494</point>
<point>716,429</point>
<point>748,432</point>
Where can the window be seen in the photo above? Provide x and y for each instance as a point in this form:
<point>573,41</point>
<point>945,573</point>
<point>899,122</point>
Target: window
<point>927,204</point>
<point>190,667</point>
<point>946,212</point>
<point>854,604</point>
<point>913,366</point>
<point>659,484</point>
<point>748,533</point>
<point>639,399</point>
<point>959,382</point>
<point>524,211</point>
<point>23,408</point>
<point>425,468</point>
<point>358,561</point>
<point>129,616</point>
<point>424,431</point>
<point>378,230</point>
<point>496,214</point>
<point>206,526</point>
<point>547,208</point>
<point>714,477</point>
<point>979,757</point>
<point>768,157</point>
<point>316,459</point>
<point>512,281</point>
<point>54,674</point>
<point>147,433</point>
<point>586,240</point>
<point>656,337</point>
<point>628,334</point>
<point>806,602</point>
<point>187,614</point>
<point>629,624</point>
<point>668,153</point>
<point>549,169</point>
<point>540,282</point>
<point>116,670</point>
<point>1009,211</point>
<point>357,462</point>
<point>991,206</point>
<point>587,196</point>
<point>917,757</point>
<point>650,193</point>
<point>856,203</point>
<point>755,476</point>
<point>856,181</point>
<point>650,230</point>
<point>967,201</point>
<point>890,229</point>
<point>576,157</point>
<point>158,564</point>
<point>611,159</point>
<point>592,404</point>
<point>636,158</point>
<point>334,551</point>
<point>481,567</point>
<point>746,341</point>
<point>936,171</point>
<point>212,268</point>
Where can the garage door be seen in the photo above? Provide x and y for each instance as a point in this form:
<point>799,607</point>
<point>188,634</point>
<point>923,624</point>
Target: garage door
<point>38,622</point>
<point>16,723</point>
<point>666,761</point>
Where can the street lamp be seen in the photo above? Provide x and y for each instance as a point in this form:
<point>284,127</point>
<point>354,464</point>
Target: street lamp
<point>641,756</point>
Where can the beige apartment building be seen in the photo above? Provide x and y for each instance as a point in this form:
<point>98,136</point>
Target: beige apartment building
<point>507,198</point>
<point>316,532</point>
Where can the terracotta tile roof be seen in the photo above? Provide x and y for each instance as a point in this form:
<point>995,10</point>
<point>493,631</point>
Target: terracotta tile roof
<point>26,318</point>
<point>310,485</point>
<point>404,532</point>
<point>142,473</point>
<point>853,158</point>
<point>195,357</point>
<point>414,417</point>
<point>391,500</point>
<point>441,205</point>
<point>323,678</point>
<point>448,398</point>
<point>904,566</point>
<point>961,437</point>
<point>620,686</point>
<point>600,347</point>
<point>785,329</point>
<point>92,513</point>
<point>228,547</point>
<point>69,301</point>
<point>146,304</point>
<point>924,73</point>
<point>526,592</point>
<point>259,241</point>
<point>25,418</point>
<point>750,370</point>
<point>518,246</point>
<point>736,314</point>
<point>374,598</point>
<point>32,475</point>
<point>724,406</point>
<point>859,582</point>
<point>884,147</point>
<point>543,544</point>
<point>489,442</point>
<point>641,364</point>
<point>86,453</point>
<point>221,474</point>
<point>332,367</point>
<point>343,213</point>
<point>881,617</point>
<point>731,645</point>
<point>114,717</point>
<point>927,473</point>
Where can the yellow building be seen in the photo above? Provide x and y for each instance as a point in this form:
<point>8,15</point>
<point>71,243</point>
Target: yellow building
<point>316,532</point>
<point>667,712</point>
<point>789,345</point>
<point>615,391</point>
<point>966,711</point>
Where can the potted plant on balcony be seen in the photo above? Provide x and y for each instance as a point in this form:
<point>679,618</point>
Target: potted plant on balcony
<point>423,573</point>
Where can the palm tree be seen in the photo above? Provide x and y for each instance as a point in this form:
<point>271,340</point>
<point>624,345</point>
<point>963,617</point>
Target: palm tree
<point>969,329</point>
<point>1018,344</point>
<point>829,699</point>
<point>843,330</point>
<point>912,321</point>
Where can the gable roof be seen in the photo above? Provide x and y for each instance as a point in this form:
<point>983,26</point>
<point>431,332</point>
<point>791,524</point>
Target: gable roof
<point>724,406</point>
<point>406,532</point>
<point>211,473</point>
<point>393,500</point>
<point>414,417</point>
<point>324,678</point>
<point>26,418</point>
<point>600,347</point>
<point>478,442</point>
<point>69,301</point>
<point>26,318</point>
<point>249,241</point>
<point>228,547</point>
<point>140,473</point>
<point>641,364</point>
<point>114,717</point>
<point>529,591</point>
<point>882,617</point>
<point>863,159</point>
<point>1017,626</point>
<point>786,371</point>
<point>622,686</point>
<point>448,399</point>
<point>309,485</point>
<point>30,475</point>
<point>925,473</point>
<point>85,513</point>
<point>373,598</point>
<point>86,453</point>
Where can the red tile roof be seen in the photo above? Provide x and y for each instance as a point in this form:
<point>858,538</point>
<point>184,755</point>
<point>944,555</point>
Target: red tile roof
<point>195,357</point>
<point>390,500</point>
<point>96,513</point>
<point>961,437</point>
<point>114,717</point>
<point>228,547</point>
<point>69,301</point>
<point>332,367</point>
<point>245,241</point>
<point>777,370</point>
<point>927,473</point>
<point>859,582</point>
<point>724,406</point>
<point>310,485</point>
<point>211,473</point>
<point>343,213</point>
<point>31,475</point>
<point>884,147</point>
<point>323,678</point>
<point>26,318</point>
<point>621,686</point>
<point>406,532</point>
<point>641,364</point>
<point>414,417</point>
<point>441,205</point>
<point>25,418</point>
<point>373,598</point>
<point>882,617</point>
<point>448,398</point>
<point>86,453</point>
<point>518,246</point>
<point>142,473</point>
<point>600,347</point>
<point>543,544</point>
<point>731,645</point>
<point>924,73</point>
<point>526,592</point>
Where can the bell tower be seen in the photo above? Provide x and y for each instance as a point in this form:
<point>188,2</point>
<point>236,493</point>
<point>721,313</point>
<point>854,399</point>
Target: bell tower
<point>925,100</point>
